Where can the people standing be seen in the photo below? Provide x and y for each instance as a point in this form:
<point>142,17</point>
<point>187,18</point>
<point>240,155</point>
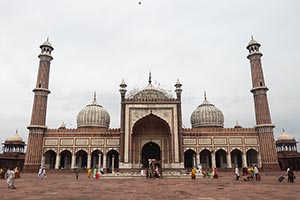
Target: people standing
<point>194,172</point>
<point>237,173</point>
<point>216,173</point>
<point>89,172</point>
<point>291,176</point>
<point>257,176</point>
<point>10,179</point>
<point>199,170</point>
<point>44,173</point>
<point>40,172</point>
<point>94,172</point>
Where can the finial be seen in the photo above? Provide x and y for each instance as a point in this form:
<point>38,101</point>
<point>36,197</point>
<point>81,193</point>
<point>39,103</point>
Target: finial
<point>94,96</point>
<point>251,37</point>
<point>16,130</point>
<point>205,95</point>
<point>47,39</point>
<point>283,130</point>
<point>150,78</point>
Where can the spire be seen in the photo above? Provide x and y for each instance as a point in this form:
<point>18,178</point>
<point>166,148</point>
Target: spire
<point>94,100</point>
<point>150,78</point>
<point>205,95</point>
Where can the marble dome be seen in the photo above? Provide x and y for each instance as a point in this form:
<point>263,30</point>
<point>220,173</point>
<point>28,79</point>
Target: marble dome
<point>285,136</point>
<point>15,138</point>
<point>207,115</point>
<point>93,115</point>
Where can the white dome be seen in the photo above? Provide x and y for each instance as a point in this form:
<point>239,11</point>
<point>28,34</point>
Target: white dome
<point>93,115</point>
<point>207,115</point>
<point>285,136</point>
<point>15,138</point>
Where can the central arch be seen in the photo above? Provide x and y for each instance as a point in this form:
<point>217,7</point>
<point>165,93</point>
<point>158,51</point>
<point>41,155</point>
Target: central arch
<point>150,151</point>
<point>151,140</point>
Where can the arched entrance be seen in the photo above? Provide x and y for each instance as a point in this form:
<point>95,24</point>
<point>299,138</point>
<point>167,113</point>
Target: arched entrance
<point>189,158</point>
<point>252,157</point>
<point>65,159</point>
<point>221,161</point>
<point>50,158</point>
<point>113,161</point>
<point>151,140</point>
<point>150,151</point>
<point>81,159</point>
<point>95,159</point>
<point>205,158</point>
<point>236,158</point>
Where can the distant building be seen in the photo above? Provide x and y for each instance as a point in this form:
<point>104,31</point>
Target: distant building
<point>151,129</point>
<point>288,155</point>
<point>13,152</point>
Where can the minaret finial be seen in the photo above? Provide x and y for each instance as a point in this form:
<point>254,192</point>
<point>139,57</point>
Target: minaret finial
<point>205,95</point>
<point>149,77</point>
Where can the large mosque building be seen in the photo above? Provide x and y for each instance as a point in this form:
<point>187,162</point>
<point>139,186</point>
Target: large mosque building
<point>150,130</point>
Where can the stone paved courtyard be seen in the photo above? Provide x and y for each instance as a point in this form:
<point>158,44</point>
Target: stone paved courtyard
<point>65,186</point>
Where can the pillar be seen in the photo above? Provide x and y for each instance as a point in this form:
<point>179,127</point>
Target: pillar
<point>89,158</point>
<point>104,161</point>
<point>57,162</point>
<point>244,160</point>
<point>228,158</point>
<point>43,161</point>
<point>99,162</point>
<point>73,161</point>
<point>213,160</point>
<point>259,161</point>
<point>113,164</point>
<point>198,159</point>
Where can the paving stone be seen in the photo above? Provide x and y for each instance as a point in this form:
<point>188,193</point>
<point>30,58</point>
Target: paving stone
<point>65,186</point>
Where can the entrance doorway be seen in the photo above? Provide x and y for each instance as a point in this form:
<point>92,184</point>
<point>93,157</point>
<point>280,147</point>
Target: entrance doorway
<point>150,151</point>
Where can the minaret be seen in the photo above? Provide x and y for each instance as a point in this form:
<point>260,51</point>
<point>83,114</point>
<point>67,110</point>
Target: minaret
<point>178,91</point>
<point>37,125</point>
<point>264,125</point>
<point>122,91</point>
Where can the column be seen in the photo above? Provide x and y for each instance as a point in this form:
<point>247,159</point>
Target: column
<point>198,160</point>
<point>194,161</point>
<point>244,160</point>
<point>104,161</point>
<point>99,162</point>
<point>228,158</point>
<point>113,164</point>
<point>89,158</point>
<point>259,161</point>
<point>213,160</point>
<point>73,161</point>
<point>43,161</point>
<point>57,162</point>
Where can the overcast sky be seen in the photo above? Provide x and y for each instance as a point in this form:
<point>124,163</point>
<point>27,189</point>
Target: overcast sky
<point>98,43</point>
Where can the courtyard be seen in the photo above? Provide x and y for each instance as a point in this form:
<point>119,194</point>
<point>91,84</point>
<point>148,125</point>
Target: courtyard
<point>65,186</point>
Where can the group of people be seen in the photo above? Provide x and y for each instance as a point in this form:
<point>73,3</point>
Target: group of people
<point>10,175</point>
<point>210,174</point>
<point>42,173</point>
<point>249,173</point>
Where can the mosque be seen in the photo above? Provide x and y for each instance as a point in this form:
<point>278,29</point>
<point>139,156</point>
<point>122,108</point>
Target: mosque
<point>150,130</point>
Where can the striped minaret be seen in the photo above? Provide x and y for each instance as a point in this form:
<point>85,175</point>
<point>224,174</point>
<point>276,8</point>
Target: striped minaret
<point>264,125</point>
<point>37,125</point>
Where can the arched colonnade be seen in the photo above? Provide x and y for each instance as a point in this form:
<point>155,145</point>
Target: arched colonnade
<point>221,158</point>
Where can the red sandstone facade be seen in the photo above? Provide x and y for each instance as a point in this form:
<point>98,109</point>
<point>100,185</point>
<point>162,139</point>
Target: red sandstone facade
<point>151,128</point>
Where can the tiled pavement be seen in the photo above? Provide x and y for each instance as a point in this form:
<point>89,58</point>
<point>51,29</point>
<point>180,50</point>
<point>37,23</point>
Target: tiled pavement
<point>65,186</point>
